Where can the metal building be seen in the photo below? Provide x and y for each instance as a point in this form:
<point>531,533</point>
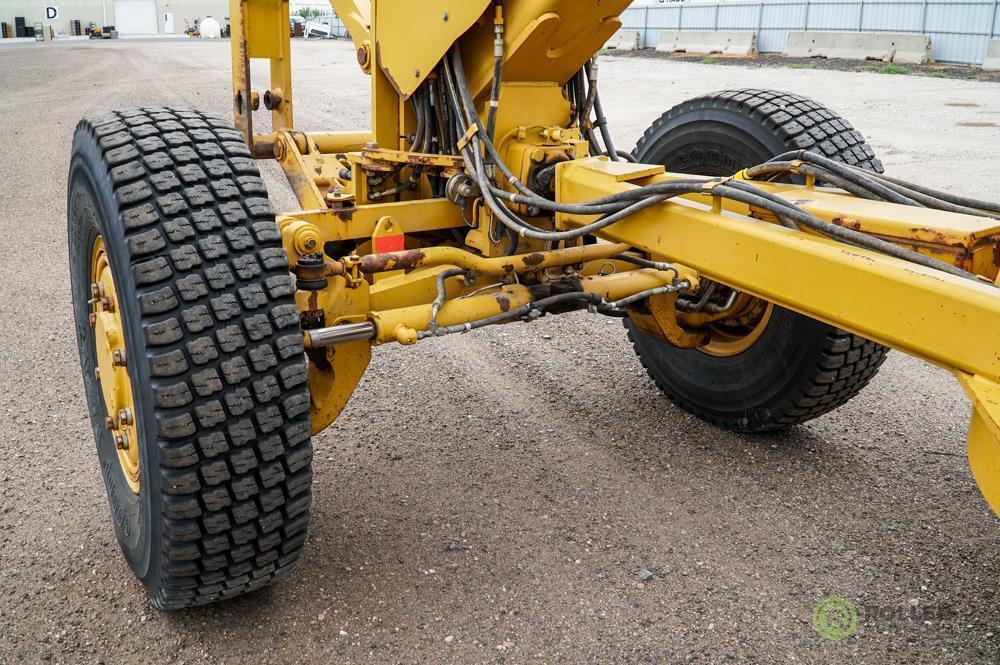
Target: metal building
<point>130,17</point>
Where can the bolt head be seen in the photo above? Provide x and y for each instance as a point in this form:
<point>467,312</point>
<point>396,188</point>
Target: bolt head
<point>93,320</point>
<point>125,416</point>
<point>118,358</point>
<point>96,290</point>
<point>121,442</point>
<point>110,423</point>
<point>107,304</point>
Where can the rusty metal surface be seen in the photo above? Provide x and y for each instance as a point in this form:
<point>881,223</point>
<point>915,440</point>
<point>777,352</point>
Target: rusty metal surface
<point>398,325</point>
<point>507,265</point>
<point>392,157</point>
<point>965,241</point>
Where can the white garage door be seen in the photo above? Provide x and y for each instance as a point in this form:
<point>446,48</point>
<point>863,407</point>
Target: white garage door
<point>135,17</point>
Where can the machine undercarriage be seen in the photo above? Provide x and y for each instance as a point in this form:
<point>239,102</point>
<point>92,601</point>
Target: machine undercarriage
<point>761,261</point>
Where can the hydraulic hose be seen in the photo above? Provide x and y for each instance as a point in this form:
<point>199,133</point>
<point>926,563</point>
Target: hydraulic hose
<point>516,313</point>
<point>588,105</point>
<point>602,126</point>
<point>955,199</point>
<point>538,307</point>
<point>645,197</point>
<point>937,203</point>
<point>874,182</point>
<point>857,238</point>
<point>841,169</point>
<point>646,263</point>
<point>769,169</point>
<point>498,53</point>
<point>442,293</point>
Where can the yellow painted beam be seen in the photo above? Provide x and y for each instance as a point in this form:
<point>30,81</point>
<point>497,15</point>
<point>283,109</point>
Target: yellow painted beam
<point>947,320</point>
<point>359,223</point>
<point>966,241</point>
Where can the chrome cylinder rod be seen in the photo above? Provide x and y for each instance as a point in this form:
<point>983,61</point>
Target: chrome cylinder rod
<point>348,332</point>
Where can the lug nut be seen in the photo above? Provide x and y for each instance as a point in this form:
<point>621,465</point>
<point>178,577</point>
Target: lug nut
<point>93,320</point>
<point>110,423</point>
<point>97,290</point>
<point>125,416</point>
<point>118,358</point>
<point>97,373</point>
<point>107,304</point>
<point>121,442</point>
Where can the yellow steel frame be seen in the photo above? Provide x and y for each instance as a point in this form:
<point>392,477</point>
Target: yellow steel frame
<point>946,320</point>
<point>393,252</point>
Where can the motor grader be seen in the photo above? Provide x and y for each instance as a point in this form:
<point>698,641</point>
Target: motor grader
<point>761,261</point>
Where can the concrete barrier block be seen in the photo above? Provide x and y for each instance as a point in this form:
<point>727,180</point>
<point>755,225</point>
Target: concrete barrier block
<point>726,43</point>
<point>884,46</point>
<point>992,59</point>
<point>625,40</point>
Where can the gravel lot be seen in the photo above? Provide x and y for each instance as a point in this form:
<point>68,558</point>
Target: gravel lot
<point>769,60</point>
<point>494,497</point>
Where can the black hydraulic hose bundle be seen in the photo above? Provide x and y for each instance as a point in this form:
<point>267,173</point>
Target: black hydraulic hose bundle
<point>447,121</point>
<point>586,98</point>
<point>872,185</point>
<point>422,141</point>
<point>600,120</point>
<point>456,116</point>
<point>498,53</point>
<point>590,70</point>
<point>992,209</point>
<point>616,207</point>
<point>859,178</point>
<point>460,118</point>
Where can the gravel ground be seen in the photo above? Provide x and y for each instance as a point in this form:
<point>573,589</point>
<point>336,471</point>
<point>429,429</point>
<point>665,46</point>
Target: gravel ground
<point>771,60</point>
<point>496,497</point>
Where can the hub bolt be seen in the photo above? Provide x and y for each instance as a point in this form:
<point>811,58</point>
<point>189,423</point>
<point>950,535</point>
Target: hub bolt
<point>118,358</point>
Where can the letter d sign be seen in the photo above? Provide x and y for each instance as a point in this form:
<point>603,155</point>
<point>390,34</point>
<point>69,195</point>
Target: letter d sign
<point>51,13</point>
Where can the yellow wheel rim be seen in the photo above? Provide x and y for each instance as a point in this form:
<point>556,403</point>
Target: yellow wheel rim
<point>731,337</point>
<point>112,365</point>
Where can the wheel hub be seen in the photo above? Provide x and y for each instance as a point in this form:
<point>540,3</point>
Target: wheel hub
<point>112,365</point>
<point>735,335</point>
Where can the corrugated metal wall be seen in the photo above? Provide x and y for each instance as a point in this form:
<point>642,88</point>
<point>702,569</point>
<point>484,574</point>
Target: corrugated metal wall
<point>959,30</point>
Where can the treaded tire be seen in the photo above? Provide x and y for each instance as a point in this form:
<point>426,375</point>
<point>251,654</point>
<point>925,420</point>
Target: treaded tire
<point>723,132</point>
<point>799,368</point>
<point>215,352</point>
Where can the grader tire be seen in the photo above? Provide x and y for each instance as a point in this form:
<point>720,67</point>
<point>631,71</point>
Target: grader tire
<point>214,352</point>
<point>797,368</point>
